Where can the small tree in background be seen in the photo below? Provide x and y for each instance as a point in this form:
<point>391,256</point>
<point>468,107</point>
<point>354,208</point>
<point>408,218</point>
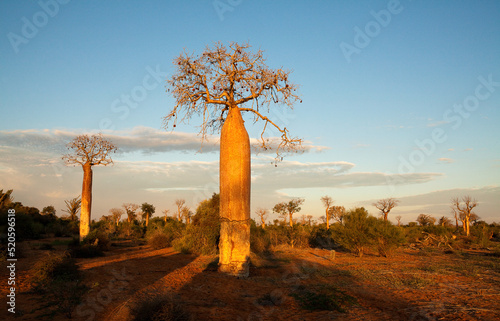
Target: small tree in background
<point>49,210</point>
<point>116,214</point>
<point>165,213</point>
<point>186,214</point>
<point>337,212</point>
<point>180,204</point>
<point>262,214</point>
<point>73,207</point>
<point>398,218</point>
<point>444,221</point>
<point>147,211</point>
<point>130,210</point>
<point>289,208</point>
<point>385,206</point>
<point>425,220</point>
<point>327,202</point>
<point>88,151</point>
<point>465,210</point>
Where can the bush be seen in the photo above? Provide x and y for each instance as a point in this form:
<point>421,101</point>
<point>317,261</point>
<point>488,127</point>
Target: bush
<point>323,238</point>
<point>155,306</point>
<point>387,237</point>
<point>98,239</point>
<point>202,236</point>
<point>259,239</point>
<point>356,233</point>
<point>51,268</point>
<point>159,240</point>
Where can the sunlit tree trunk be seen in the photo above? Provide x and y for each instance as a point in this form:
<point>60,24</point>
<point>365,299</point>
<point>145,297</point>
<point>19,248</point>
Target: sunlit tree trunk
<point>291,219</point>
<point>327,215</point>
<point>234,244</point>
<point>86,201</point>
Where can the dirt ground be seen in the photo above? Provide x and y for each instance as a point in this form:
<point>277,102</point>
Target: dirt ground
<point>413,284</point>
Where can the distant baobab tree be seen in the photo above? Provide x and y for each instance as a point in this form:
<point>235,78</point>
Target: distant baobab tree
<point>187,214</point>
<point>116,214</point>
<point>327,202</point>
<point>464,211</point>
<point>130,209</point>
<point>218,85</point>
<point>180,204</point>
<point>73,207</point>
<point>147,211</point>
<point>262,213</point>
<point>165,213</point>
<point>398,218</point>
<point>88,151</point>
<point>385,206</point>
<point>289,208</point>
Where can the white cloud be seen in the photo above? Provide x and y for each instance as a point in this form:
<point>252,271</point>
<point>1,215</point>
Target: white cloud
<point>446,160</point>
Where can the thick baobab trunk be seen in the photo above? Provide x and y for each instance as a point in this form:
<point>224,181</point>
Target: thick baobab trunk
<point>234,243</point>
<point>147,220</point>
<point>291,219</point>
<point>86,201</point>
<point>327,218</point>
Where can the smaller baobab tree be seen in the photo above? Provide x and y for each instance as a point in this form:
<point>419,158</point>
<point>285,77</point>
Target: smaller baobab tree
<point>186,213</point>
<point>116,214</point>
<point>465,211</point>
<point>262,214</point>
<point>327,202</point>
<point>289,208</point>
<point>385,206</point>
<point>88,151</point>
<point>180,204</point>
<point>337,213</point>
<point>165,213</point>
<point>130,210</point>
<point>398,218</point>
<point>147,211</point>
<point>73,207</point>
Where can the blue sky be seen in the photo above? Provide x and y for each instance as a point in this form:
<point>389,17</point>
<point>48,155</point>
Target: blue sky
<point>386,117</point>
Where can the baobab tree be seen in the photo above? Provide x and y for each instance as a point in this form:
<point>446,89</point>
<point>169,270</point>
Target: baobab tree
<point>73,207</point>
<point>219,85</point>
<point>327,202</point>
<point>262,213</point>
<point>187,214</point>
<point>116,214</point>
<point>464,210</point>
<point>385,206</point>
<point>147,211</point>
<point>130,209</point>
<point>88,151</point>
<point>165,213</point>
<point>180,204</point>
<point>398,218</point>
<point>337,212</point>
<point>288,208</point>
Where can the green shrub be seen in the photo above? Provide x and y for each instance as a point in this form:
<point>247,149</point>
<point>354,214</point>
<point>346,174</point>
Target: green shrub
<point>357,232</point>
<point>387,237</point>
<point>323,238</point>
<point>202,236</point>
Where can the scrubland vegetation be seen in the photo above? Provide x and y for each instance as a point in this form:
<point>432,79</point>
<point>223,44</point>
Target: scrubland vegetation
<point>355,234</point>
